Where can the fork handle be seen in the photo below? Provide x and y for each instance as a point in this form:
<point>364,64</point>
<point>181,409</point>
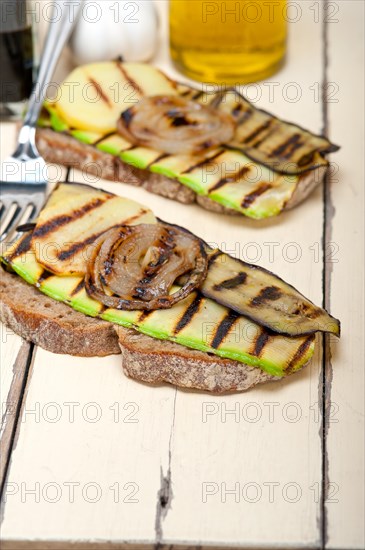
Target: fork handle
<point>64,15</point>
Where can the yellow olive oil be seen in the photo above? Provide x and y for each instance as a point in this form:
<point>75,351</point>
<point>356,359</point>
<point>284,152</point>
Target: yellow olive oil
<point>228,42</point>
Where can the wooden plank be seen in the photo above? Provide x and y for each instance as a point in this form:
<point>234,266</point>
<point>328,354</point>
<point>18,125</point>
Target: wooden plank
<point>345,230</point>
<point>96,443</point>
<point>186,445</point>
<point>224,464</point>
<point>13,351</point>
<point>15,355</point>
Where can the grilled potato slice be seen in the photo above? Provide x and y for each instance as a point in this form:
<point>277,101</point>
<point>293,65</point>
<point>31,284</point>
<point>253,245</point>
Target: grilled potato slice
<point>72,219</point>
<point>93,96</point>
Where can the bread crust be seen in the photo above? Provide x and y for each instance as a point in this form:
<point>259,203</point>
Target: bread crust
<point>166,361</point>
<point>52,325</point>
<point>63,149</point>
<point>56,327</point>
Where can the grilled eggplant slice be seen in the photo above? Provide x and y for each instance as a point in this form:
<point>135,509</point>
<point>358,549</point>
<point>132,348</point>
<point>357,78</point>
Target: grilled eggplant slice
<point>263,297</point>
<point>281,146</point>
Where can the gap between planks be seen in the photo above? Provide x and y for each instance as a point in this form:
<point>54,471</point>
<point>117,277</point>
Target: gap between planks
<point>13,408</point>
<point>326,374</point>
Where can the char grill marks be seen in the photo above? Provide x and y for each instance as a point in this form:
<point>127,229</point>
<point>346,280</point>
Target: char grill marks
<point>22,247</point>
<point>258,294</point>
<point>267,294</point>
<point>288,147</point>
<point>264,138</point>
<point>135,267</point>
<point>233,282</point>
<point>223,329</point>
<point>260,342</point>
<point>243,171</point>
<point>251,197</point>
<point>256,132</point>
<point>55,223</point>
<point>100,92</point>
<point>80,286</point>
<point>188,315</point>
<point>132,82</point>
<point>299,354</point>
<point>77,247</point>
<point>175,125</point>
<point>202,163</point>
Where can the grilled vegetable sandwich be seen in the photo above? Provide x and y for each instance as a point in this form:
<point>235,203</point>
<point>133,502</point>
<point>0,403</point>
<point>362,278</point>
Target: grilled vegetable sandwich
<point>99,274</point>
<point>129,122</point>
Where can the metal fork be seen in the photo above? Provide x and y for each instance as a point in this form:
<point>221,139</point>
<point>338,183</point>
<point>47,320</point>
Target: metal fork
<point>23,179</point>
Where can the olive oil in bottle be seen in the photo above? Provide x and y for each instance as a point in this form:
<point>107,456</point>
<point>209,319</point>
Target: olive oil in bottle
<point>228,42</point>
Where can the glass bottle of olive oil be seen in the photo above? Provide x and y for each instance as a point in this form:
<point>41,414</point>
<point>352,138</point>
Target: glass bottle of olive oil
<point>228,42</point>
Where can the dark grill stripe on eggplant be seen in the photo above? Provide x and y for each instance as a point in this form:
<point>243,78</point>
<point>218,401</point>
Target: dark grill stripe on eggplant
<point>287,148</point>
<point>246,115</point>
<point>234,282</point>
<point>212,257</point>
<point>263,297</point>
<point>223,329</point>
<point>270,293</point>
<point>257,131</point>
<point>251,197</point>
<point>192,309</point>
<point>55,223</point>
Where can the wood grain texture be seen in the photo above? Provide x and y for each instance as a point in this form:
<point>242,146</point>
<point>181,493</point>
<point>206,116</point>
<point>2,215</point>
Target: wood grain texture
<point>239,470</point>
<point>94,442</point>
<point>15,355</point>
<point>345,443</point>
<point>270,444</point>
<point>13,351</point>
<point>221,479</point>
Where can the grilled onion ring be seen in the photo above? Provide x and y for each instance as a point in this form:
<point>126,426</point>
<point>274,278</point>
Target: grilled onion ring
<point>134,267</point>
<point>175,125</point>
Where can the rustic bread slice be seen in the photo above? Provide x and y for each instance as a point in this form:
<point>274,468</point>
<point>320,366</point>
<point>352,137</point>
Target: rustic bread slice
<point>58,328</point>
<point>60,148</point>
<point>164,361</point>
<point>52,325</point>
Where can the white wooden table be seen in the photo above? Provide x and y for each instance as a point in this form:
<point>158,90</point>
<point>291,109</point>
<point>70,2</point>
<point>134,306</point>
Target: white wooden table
<point>94,460</point>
